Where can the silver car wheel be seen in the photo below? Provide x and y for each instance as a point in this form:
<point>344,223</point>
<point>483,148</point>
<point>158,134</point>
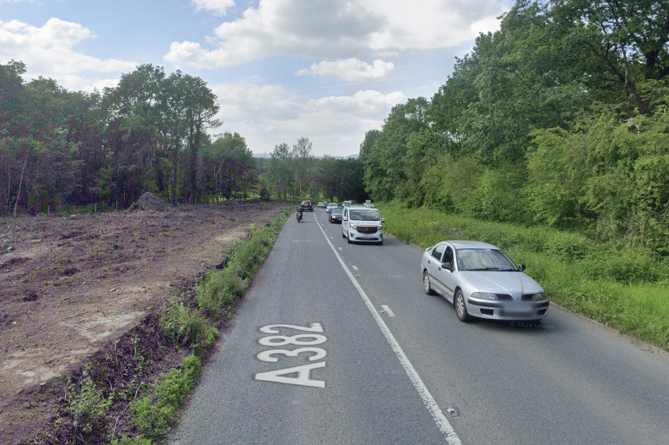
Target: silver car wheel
<point>460,308</point>
<point>427,287</point>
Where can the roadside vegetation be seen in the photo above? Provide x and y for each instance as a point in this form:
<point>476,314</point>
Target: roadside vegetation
<point>115,401</point>
<point>616,284</point>
<point>551,140</point>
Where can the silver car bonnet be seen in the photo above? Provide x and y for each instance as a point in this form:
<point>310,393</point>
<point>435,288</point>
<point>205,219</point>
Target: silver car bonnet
<point>512,283</point>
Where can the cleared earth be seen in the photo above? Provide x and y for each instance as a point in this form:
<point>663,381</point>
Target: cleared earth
<point>72,286</point>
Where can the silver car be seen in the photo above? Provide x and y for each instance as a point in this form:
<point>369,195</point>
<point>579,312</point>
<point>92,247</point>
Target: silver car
<point>481,281</point>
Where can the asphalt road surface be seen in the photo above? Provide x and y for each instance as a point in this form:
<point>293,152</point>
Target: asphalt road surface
<point>338,344</point>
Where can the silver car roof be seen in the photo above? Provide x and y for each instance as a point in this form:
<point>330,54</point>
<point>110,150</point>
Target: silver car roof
<point>471,245</point>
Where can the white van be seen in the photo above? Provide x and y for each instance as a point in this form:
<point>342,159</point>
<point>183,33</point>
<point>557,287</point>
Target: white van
<point>362,224</point>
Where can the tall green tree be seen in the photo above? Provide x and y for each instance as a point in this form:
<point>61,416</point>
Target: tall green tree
<point>228,166</point>
<point>200,111</point>
<point>629,39</point>
<point>385,167</point>
<point>281,171</point>
<point>303,167</point>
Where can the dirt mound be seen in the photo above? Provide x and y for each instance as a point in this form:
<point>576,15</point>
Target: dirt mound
<point>149,201</point>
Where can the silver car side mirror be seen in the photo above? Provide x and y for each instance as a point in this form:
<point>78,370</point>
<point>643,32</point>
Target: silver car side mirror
<point>448,266</point>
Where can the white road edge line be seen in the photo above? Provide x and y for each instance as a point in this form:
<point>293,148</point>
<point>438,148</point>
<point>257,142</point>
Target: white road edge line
<point>437,414</point>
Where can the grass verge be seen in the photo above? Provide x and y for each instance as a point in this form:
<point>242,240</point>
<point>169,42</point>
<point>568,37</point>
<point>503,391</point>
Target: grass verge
<point>622,287</point>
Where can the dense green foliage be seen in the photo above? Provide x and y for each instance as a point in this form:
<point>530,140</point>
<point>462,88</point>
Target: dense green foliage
<point>558,119</point>
<point>295,174</point>
<point>150,133</point>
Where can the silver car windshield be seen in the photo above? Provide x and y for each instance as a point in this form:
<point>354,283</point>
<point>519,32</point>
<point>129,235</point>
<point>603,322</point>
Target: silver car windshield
<point>484,259</point>
<point>365,215</point>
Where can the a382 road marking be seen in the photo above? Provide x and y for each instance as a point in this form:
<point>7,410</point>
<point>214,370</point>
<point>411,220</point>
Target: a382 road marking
<point>306,341</point>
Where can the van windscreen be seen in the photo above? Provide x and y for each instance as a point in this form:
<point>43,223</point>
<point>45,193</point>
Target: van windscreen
<point>365,215</point>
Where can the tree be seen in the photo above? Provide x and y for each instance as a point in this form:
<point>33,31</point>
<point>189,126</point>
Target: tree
<point>628,38</point>
<point>385,165</point>
<point>303,167</point>
<point>228,165</point>
<point>280,171</point>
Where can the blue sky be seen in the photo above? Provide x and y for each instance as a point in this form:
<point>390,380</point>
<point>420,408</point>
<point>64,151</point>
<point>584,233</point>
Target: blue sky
<point>329,70</point>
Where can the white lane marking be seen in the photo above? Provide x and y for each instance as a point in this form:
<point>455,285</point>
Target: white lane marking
<point>337,247</point>
<point>355,268</point>
<point>431,405</point>
<point>387,310</point>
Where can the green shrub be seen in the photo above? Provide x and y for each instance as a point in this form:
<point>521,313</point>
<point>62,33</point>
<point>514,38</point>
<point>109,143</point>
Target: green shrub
<point>568,246</point>
<point>188,326</point>
<point>88,406</point>
<point>155,419</point>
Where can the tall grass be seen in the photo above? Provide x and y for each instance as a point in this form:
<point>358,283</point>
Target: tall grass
<point>619,286</point>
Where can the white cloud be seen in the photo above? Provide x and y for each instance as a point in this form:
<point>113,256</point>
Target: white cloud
<point>339,29</point>
<point>270,115</point>
<point>351,70</point>
<point>49,51</point>
<point>218,7</point>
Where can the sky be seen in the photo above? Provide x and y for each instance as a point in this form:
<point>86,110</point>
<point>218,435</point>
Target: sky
<point>327,70</point>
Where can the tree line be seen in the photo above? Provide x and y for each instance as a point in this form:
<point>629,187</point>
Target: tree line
<point>559,118</point>
<point>150,133</point>
<point>295,174</point>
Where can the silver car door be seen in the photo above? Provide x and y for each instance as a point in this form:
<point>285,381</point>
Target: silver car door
<point>447,276</point>
<point>434,266</point>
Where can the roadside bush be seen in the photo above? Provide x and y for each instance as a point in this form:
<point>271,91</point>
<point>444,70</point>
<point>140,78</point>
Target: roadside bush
<point>189,326</point>
<point>88,406</point>
<point>155,418</point>
<point>623,265</point>
<point>568,246</point>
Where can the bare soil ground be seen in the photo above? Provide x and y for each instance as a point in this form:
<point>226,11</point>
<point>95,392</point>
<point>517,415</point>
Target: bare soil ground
<point>72,287</point>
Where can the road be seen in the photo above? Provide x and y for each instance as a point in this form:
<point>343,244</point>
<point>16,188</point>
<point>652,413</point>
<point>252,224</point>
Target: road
<point>338,344</point>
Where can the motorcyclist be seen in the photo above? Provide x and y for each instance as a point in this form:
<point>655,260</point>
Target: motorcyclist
<point>300,212</point>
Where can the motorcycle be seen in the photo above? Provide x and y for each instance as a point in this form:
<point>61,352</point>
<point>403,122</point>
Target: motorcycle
<point>299,215</point>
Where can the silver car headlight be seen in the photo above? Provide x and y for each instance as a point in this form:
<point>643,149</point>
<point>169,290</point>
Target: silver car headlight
<point>354,227</point>
<point>539,296</point>
<point>484,296</point>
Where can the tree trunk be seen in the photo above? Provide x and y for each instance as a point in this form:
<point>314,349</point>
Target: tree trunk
<point>18,194</point>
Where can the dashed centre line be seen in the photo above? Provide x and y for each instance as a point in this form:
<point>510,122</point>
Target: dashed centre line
<point>354,267</point>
